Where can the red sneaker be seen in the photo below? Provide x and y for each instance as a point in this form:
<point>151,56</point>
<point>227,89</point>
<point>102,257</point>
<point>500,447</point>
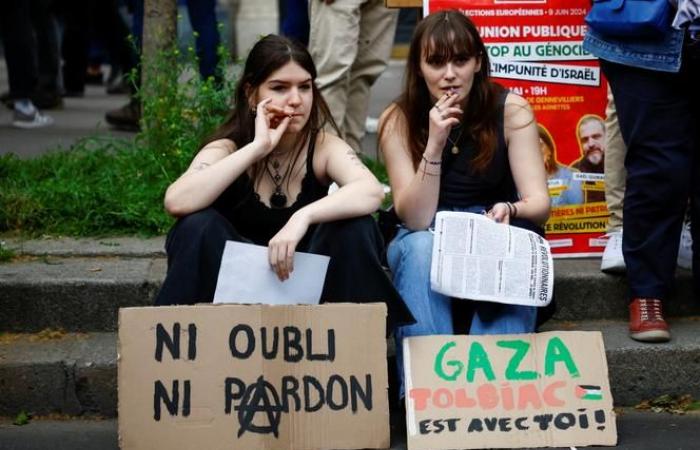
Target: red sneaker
<point>647,322</point>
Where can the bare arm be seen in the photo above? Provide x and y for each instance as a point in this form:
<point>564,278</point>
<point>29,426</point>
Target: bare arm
<point>416,191</point>
<point>525,160</point>
<point>360,193</point>
<point>218,164</point>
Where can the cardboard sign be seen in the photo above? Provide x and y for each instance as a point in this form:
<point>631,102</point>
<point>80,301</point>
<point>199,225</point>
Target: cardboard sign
<point>510,391</point>
<point>535,48</point>
<point>253,377</point>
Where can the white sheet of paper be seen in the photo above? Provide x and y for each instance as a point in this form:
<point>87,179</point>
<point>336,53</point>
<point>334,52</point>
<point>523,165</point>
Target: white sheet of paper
<point>245,276</point>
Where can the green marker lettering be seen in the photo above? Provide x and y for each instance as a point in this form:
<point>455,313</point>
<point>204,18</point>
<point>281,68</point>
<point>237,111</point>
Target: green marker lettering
<point>557,352</point>
<point>439,363</point>
<point>479,359</point>
<point>521,348</point>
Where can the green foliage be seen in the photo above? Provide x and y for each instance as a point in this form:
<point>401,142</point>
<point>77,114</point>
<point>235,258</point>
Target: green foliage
<point>108,186</point>
<point>180,109</point>
<point>22,418</point>
<point>6,254</point>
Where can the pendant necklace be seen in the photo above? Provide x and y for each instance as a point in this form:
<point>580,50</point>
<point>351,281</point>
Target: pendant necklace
<point>455,148</point>
<point>277,199</point>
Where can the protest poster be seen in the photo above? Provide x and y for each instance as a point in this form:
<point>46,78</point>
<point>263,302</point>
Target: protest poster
<point>508,391</point>
<point>535,48</point>
<point>253,377</point>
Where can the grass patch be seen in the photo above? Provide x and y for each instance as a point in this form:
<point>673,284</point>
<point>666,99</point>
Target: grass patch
<point>99,187</point>
<point>6,254</point>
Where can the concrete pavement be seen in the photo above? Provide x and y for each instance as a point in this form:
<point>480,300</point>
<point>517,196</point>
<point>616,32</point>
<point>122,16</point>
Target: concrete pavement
<point>636,431</point>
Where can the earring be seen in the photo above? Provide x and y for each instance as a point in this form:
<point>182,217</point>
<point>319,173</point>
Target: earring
<point>253,111</point>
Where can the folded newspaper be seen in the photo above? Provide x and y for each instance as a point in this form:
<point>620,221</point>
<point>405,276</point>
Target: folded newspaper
<point>476,258</point>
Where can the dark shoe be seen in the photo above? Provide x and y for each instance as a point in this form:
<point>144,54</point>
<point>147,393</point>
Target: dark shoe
<point>125,118</point>
<point>647,322</point>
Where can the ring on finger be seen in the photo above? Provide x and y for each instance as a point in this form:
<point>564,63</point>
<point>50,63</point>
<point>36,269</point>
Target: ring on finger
<point>438,108</point>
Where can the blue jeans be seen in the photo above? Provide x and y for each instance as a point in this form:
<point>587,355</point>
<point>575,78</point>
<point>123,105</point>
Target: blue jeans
<point>410,256</point>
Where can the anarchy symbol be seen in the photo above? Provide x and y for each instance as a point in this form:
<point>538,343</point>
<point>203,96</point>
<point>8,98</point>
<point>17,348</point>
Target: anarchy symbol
<point>257,400</point>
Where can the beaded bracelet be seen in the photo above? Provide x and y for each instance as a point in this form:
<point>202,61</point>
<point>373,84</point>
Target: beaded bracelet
<point>432,163</point>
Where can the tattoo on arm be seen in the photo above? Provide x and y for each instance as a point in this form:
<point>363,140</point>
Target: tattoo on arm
<point>355,160</point>
<point>201,166</point>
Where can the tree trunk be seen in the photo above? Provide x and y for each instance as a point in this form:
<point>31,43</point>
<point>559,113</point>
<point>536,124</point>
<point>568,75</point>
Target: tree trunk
<point>159,37</point>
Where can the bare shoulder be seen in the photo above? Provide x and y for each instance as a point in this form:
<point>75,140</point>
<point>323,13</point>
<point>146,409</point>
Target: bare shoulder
<point>513,99</point>
<point>327,143</point>
<point>392,119</point>
<point>211,153</point>
<point>517,112</point>
<point>224,146</point>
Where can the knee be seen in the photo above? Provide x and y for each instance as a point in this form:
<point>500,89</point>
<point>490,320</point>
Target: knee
<point>197,226</point>
<point>354,231</point>
<point>412,248</point>
<point>416,243</point>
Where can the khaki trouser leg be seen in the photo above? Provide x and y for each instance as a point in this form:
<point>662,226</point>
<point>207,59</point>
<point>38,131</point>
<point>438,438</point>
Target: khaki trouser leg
<point>333,43</point>
<point>350,42</point>
<point>615,173</point>
<point>377,29</point>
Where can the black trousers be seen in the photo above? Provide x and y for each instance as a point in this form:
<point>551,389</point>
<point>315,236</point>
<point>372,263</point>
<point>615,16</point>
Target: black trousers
<point>30,38</point>
<point>196,243</point>
<point>88,19</point>
<point>20,47</point>
<point>659,114</point>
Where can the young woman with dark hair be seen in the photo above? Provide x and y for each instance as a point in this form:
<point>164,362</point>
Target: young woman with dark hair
<point>264,177</point>
<point>455,140</point>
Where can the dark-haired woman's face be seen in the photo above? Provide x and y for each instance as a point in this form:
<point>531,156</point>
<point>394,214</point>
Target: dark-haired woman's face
<point>290,88</point>
<point>455,76</point>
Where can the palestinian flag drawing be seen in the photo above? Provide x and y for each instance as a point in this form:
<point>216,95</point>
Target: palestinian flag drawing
<point>588,392</point>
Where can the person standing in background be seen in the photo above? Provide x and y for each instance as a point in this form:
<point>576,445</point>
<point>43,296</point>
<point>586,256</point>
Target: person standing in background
<point>20,46</point>
<point>654,80</point>
<point>350,41</point>
<point>615,173</point>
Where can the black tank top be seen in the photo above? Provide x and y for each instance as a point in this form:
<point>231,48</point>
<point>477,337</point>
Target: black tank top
<point>462,187</point>
<point>242,206</point>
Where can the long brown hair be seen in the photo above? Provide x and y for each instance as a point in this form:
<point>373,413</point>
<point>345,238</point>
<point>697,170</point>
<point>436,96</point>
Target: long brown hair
<point>268,55</point>
<point>442,37</point>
